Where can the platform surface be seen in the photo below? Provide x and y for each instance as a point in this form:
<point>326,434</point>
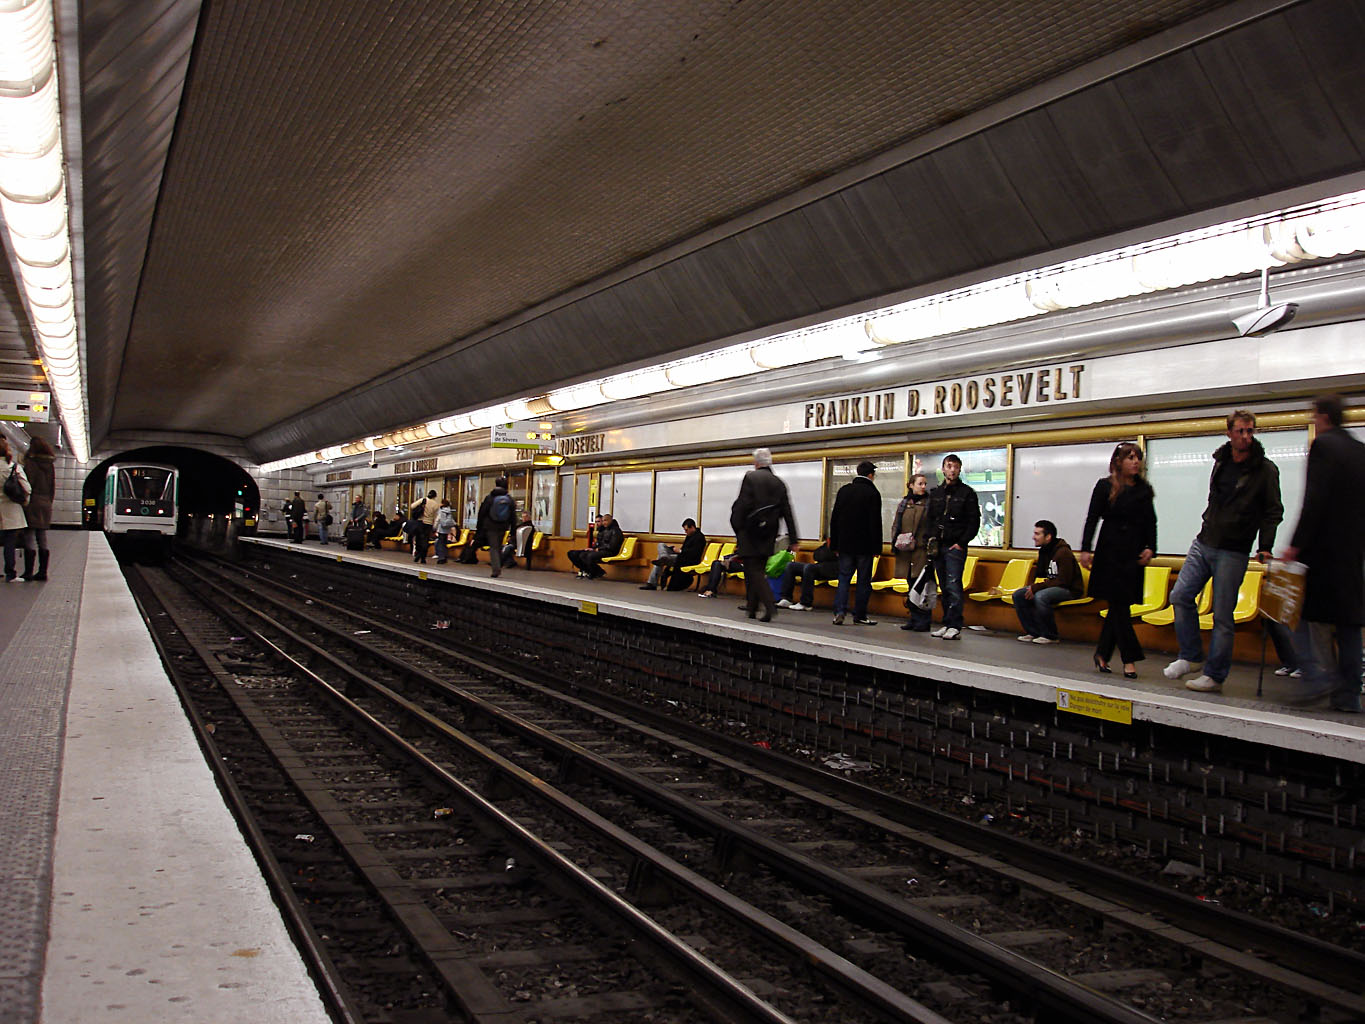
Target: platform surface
<point>982,660</point>
<point>131,894</point>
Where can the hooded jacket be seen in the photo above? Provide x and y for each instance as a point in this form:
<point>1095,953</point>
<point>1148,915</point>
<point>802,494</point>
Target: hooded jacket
<point>1231,523</point>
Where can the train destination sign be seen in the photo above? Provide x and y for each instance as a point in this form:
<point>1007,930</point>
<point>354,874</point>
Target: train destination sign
<point>526,434</point>
<point>25,406</point>
<point>1038,386</point>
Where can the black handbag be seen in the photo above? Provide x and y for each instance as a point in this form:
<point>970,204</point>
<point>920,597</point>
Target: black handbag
<point>14,487</point>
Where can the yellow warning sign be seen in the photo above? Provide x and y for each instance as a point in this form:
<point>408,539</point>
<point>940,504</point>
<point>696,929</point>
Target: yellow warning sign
<point>587,607</point>
<point>1092,705</point>
<point>421,574</point>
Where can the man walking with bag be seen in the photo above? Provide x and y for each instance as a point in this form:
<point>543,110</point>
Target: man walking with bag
<point>322,515</point>
<point>762,504</point>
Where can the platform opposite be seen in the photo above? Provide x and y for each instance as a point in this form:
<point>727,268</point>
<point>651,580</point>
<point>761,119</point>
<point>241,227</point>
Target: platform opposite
<point>980,660</point>
<point>159,912</point>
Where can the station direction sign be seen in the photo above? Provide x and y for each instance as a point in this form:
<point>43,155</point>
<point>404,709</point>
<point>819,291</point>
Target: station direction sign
<point>525,434</point>
<point>25,406</point>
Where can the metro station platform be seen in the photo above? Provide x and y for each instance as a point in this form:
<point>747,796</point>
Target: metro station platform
<point>129,895</point>
<point>992,661</point>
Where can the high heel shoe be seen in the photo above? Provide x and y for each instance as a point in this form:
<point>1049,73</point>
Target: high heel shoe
<point>1129,673</point>
<point>1101,666</point>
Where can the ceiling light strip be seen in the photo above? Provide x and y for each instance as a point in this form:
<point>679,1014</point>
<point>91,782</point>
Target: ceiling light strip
<point>33,203</point>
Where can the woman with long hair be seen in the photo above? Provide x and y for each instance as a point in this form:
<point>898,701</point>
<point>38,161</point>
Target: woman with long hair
<point>912,521</point>
<point>39,464</point>
<point>1125,501</point>
<point>12,519</point>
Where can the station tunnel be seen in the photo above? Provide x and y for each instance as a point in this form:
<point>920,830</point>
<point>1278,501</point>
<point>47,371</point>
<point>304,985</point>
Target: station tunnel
<point>209,484</point>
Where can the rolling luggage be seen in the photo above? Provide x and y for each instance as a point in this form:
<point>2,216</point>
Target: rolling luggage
<point>355,537</point>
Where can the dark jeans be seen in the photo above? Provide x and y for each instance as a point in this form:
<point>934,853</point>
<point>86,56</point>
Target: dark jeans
<point>757,590</point>
<point>586,559</point>
<point>808,573</point>
<point>492,536</point>
<point>11,538</point>
<point>1037,614</point>
<point>1283,639</point>
<point>1118,631</point>
<point>421,540</point>
<point>848,565</point>
<point>1333,663</point>
<point>296,530</point>
<point>442,546</point>
<point>948,571</point>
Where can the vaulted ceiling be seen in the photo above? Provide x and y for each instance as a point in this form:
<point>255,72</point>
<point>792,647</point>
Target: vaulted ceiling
<point>305,222</point>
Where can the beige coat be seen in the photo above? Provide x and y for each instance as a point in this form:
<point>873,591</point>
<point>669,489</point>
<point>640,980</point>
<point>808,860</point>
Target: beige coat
<point>911,518</point>
<point>11,515</point>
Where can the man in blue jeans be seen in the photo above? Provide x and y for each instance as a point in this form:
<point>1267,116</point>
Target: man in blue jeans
<point>1244,501</point>
<point>954,517</point>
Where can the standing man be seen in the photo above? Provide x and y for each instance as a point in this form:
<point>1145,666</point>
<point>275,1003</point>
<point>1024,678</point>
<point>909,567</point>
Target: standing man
<point>855,534</point>
<point>1056,578</point>
<point>496,514</point>
<point>762,504</point>
<point>954,518</point>
<point>1244,500</point>
<point>1330,540</point>
<point>322,515</point>
<point>294,513</point>
<point>422,516</point>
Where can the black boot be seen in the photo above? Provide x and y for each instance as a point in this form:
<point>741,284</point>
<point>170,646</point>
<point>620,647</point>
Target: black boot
<point>43,554</point>
<point>28,565</point>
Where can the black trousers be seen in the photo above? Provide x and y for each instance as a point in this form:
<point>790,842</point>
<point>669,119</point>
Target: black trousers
<point>756,589</point>
<point>1118,631</point>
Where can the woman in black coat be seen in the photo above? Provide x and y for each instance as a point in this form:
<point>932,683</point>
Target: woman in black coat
<point>1127,542</point>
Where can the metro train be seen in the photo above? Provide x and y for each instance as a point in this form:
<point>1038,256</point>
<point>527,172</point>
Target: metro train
<point>141,499</point>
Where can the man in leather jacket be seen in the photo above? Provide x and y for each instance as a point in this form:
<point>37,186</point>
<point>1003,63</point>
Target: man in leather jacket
<point>954,518</point>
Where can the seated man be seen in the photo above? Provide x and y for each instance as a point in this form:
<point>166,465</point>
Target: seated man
<point>1056,578</point>
<point>380,528</point>
<point>606,543</point>
<point>693,547</point>
<point>825,566</point>
<point>720,568</point>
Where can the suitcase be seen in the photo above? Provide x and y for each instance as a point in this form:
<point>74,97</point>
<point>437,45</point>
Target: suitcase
<point>355,538</point>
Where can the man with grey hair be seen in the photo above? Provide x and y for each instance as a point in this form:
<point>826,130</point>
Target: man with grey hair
<point>762,504</point>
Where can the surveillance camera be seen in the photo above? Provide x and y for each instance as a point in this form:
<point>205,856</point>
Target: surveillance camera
<point>1264,319</point>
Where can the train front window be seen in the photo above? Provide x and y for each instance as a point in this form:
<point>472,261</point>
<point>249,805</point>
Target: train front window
<point>144,484</point>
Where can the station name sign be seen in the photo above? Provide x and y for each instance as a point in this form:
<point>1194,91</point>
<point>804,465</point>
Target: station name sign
<point>25,406</point>
<point>338,476</point>
<point>414,466</point>
<point>582,444</point>
<point>1041,386</point>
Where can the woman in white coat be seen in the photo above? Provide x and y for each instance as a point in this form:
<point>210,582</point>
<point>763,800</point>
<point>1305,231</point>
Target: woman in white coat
<point>12,520</point>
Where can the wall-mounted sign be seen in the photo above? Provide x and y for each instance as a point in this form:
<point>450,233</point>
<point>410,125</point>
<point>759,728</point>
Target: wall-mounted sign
<point>526,434</point>
<point>25,406</point>
<point>338,475</point>
<point>583,444</point>
<point>1038,386</point>
<point>414,466</point>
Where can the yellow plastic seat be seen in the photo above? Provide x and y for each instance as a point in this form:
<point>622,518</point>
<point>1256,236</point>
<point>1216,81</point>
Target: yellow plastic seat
<point>969,571</point>
<point>1085,597</point>
<point>876,559</point>
<point>709,556</point>
<point>1015,576</point>
<point>626,553</point>
<point>1166,616</point>
<point>900,586</point>
<point>1156,586</point>
<point>1248,600</point>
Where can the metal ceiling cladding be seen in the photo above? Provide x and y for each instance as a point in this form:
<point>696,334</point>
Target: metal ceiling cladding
<point>394,195</point>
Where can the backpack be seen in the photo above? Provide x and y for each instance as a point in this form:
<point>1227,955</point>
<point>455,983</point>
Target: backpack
<point>500,511</point>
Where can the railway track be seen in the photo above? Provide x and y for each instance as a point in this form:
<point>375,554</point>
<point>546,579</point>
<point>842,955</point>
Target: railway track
<point>878,892</point>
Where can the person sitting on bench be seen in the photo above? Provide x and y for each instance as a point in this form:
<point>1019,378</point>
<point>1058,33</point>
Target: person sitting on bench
<point>665,566</point>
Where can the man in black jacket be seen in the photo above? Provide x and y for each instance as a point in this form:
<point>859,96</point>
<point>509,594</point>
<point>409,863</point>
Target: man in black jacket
<point>1244,500</point>
<point>693,547</point>
<point>606,542</point>
<point>497,513</point>
<point>954,516</point>
<point>855,534</point>
<point>755,515</point>
<point>1330,539</point>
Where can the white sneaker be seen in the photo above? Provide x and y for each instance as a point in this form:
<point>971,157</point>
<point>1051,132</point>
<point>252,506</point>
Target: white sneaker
<point>1283,670</point>
<point>1204,684</point>
<point>1298,674</point>
<point>1180,667</point>
<point>784,603</point>
<point>798,607</point>
<point>1027,638</point>
<point>939,632</point>
<point>1046,640</point>
<point>952,633</point>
